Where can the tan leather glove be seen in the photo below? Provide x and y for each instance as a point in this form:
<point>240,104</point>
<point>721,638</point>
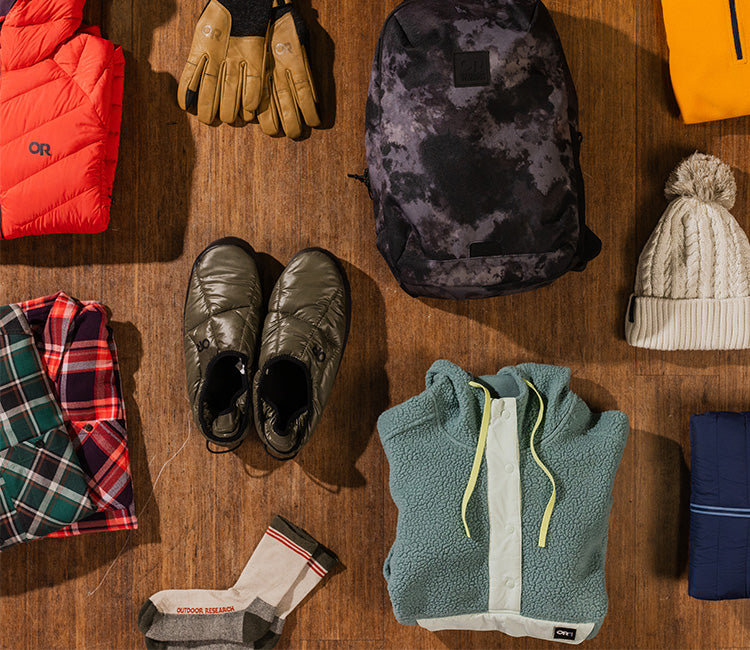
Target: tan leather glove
<point>288,93</point>
<point>224,71</point>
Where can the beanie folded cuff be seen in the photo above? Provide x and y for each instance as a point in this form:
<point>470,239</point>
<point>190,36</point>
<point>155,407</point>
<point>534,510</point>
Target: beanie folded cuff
<point>691,324</point>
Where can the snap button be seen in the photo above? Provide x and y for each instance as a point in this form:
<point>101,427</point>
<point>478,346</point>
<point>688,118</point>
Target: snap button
<point>88,427</point>
<point>509,583</point>
<point>510,468</point>
<point>509,529</point>
<point>39,443</point>
<point>505,415</point>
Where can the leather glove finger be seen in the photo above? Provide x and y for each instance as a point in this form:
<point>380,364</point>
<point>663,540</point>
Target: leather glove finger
<point>268,112</point>
<point>305,94</point>
<point>255,71</point>
<point>229,89</point>
<point>187,90</point>
<point>286,104</point>
<point>208,96</point>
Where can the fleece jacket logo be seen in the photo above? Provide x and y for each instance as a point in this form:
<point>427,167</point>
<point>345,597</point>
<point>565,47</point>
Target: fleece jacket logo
<point>41,148</point>
<point>566,633</point>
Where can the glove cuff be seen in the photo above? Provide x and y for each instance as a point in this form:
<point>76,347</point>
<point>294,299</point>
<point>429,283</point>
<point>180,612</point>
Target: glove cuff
<point>249,17</point>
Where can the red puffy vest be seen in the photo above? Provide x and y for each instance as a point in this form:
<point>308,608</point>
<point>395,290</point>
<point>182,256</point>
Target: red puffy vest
<point>60,110</point>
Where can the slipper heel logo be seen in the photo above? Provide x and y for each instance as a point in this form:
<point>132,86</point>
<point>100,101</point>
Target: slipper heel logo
<point>40,149</point>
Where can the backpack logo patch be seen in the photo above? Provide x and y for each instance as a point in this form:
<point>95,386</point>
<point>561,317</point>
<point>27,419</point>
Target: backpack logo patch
<point>40,148</point>
<point>471,69</point>
<point>565,633</point>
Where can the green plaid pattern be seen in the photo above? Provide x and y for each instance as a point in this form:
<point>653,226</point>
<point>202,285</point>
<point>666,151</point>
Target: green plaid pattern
<point>42,485</point>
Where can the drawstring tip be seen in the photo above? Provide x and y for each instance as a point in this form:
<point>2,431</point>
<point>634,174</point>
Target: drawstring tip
<point>466,528</point>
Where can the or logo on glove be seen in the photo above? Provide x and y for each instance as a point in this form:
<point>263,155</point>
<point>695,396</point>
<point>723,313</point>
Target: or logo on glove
<point>249,58</point>
<point>211,32</point>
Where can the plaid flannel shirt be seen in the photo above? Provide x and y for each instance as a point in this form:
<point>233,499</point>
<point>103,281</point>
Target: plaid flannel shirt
<point>42,484</point>
<point>78,350</point>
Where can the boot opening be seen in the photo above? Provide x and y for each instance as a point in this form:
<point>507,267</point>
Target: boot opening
<point>285,388</point>
<point>226,380</point>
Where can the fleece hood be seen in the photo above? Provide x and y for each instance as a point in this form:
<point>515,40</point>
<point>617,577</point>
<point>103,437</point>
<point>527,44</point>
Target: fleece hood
<point>464,404</point>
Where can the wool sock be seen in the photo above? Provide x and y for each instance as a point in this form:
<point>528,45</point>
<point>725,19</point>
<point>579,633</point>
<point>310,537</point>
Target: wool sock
<point>230,627</point>
<point>286,563</point>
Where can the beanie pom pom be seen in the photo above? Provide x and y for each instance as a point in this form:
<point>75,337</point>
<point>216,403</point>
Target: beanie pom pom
<point>703,177</point>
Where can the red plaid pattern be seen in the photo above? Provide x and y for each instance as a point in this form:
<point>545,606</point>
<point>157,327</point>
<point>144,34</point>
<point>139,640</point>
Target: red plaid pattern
<point>79,354</point>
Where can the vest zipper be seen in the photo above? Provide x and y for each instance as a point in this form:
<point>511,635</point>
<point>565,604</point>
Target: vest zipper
<point>736,29</point>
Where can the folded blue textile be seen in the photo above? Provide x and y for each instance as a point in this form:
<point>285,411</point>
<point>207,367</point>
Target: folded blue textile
<point>720,506</point>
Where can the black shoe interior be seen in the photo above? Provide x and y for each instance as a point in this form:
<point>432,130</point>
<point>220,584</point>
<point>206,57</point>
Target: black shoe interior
<point>225,382</point>
<point>285,388</point>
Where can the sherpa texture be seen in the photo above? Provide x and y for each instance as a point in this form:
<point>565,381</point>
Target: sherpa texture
<point>692,289</point>
<point>433,569</point>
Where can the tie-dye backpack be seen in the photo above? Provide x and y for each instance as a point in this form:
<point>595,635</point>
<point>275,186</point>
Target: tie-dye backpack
<point>472,149</point>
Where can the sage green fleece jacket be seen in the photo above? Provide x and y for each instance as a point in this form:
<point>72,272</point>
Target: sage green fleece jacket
<point>441,578</point>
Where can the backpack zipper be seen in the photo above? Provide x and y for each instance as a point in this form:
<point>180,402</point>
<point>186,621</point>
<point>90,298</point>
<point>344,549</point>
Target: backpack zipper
<point>736,29</point>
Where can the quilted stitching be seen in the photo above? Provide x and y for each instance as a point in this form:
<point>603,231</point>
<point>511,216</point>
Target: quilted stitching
<point>78,80</point>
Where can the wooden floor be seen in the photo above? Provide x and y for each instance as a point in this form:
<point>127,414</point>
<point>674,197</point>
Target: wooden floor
<point>181,184</point>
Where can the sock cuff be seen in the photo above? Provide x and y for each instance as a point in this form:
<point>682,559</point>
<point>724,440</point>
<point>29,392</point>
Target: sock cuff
<point>320,558</point>
<point>325,557</point>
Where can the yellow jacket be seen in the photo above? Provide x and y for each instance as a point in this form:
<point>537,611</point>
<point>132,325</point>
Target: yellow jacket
<point>709,48</point>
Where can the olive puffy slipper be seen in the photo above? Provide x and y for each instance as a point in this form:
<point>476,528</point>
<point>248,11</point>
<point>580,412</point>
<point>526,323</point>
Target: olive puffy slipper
<point>220,328</point>
<point>302,343</point>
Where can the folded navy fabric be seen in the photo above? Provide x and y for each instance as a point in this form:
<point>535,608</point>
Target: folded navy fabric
<point>720,506</point>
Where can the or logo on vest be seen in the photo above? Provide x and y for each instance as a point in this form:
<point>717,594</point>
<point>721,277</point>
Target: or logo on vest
<point>565,633</point>
<point>471,69</point>
<point>203,345</point>
<point>40,148</point>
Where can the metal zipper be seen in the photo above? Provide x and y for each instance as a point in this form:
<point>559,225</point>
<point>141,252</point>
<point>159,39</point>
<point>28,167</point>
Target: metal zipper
<point>736,29</point>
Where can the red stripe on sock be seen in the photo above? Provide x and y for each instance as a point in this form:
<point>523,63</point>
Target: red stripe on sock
<point>298,550</point>
<point>277,534</point>
<point>317,568</point>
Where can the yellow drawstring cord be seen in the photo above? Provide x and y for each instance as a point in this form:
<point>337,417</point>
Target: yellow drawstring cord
<point>478,455</point>
<point>482,443</point>
<point>551,502</point>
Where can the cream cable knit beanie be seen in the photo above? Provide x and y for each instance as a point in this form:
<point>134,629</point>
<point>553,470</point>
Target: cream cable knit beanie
<point>692,287</point>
